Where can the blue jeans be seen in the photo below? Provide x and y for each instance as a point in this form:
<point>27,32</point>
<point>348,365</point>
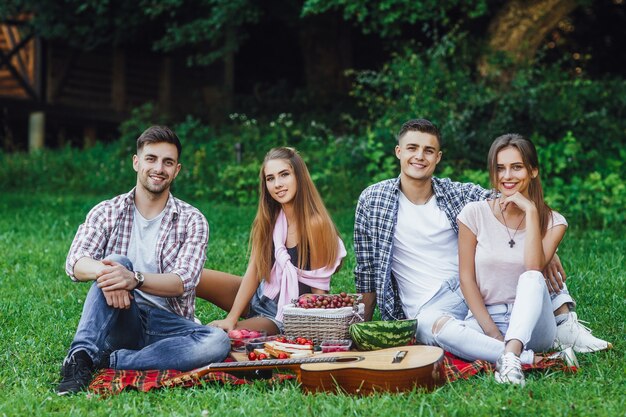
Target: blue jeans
<point>261,306</point>
<point>144,337</point>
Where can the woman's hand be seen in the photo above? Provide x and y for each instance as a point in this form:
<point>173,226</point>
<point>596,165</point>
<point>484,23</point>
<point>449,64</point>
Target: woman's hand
<point>519,200</point>
<point>555,275</point>
<point>225,324</point>
<point>496,334</point>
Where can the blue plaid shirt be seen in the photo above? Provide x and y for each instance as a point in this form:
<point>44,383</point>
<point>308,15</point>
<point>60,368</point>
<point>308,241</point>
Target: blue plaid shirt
<point>375,222</point>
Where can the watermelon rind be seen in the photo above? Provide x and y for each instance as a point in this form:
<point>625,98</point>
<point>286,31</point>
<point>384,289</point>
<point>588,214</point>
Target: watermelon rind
<point>374,335</point>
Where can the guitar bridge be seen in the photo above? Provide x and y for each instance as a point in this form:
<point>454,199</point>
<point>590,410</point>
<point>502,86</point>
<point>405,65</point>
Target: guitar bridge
<point>399,356</point>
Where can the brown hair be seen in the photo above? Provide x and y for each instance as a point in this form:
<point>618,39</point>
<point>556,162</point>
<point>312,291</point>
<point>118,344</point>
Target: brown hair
<point>531,161</point>
<point>317,234</point>
<point>419,125</point>
<point>157,134</point>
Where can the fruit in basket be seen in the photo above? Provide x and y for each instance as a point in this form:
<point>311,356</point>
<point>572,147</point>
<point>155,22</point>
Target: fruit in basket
<point>327,300</point>
<point>374,335</point>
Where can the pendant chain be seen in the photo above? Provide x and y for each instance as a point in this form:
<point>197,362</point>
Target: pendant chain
<point>512,241</point>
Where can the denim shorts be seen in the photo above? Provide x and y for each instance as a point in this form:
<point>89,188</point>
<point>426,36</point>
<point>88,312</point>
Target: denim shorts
<point>262,306</point>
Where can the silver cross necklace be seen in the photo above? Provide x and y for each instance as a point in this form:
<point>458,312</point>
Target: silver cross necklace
<point>512,241</point>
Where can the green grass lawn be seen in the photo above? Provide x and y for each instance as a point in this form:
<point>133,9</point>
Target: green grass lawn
<point>40,308</point>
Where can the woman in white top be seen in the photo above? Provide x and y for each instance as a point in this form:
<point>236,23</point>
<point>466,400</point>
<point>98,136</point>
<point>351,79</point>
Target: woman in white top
<point>504,244</point>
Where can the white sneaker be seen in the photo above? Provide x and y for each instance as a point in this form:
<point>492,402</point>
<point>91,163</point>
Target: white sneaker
<point>509,370</point>
<point>571,333</point>
<point>568,356</point>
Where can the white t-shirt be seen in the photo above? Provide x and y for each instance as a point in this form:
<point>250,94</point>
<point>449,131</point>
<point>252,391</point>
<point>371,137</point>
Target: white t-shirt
<point>142,253</point>
<point>498,266</point>
<point>425,253</point>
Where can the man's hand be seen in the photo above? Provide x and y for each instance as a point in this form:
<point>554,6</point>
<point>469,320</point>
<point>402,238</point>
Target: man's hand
<point>118,298</point>
<point>369,301</point>
<point>115,277</point>
<point>116,283</point>
<point>554,274</point>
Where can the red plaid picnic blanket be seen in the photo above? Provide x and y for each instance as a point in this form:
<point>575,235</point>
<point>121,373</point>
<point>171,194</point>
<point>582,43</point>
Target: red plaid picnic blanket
<point>110,381</point>
<point>456,368</point>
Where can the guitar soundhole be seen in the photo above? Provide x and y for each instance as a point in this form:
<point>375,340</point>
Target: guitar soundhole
<point>343,359</point>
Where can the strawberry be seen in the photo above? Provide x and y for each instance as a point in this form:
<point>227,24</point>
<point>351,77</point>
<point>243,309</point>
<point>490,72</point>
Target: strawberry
<point>253,334</point>
<point>234,334</point>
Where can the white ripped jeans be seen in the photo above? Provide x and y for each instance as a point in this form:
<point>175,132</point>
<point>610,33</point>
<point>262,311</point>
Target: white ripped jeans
<point>529,319</point>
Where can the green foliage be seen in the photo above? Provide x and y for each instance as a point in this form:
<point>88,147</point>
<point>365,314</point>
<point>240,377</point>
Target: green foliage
<point>439,83</point>
<point>381,161</point>
<point>436,84</point>
<point>96,170</point>
<point>583,192</point>
<point>210,166</point>
<point>585,185</point>
<point>140,118</point>
<point>82,24</point>
<point>387,17</point>
<point>587,198</point>
<point>578,124</point>
<point>211,27</point>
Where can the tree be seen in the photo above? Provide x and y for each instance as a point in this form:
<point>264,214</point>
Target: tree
<point>515,30</point>
<point>212,30</point>
<point>519,28</point>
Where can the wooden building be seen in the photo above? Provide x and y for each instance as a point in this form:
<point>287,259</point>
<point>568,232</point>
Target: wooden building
<point>49,91</point>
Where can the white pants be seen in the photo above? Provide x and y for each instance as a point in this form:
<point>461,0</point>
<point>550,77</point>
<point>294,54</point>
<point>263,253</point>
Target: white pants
<point>529,319</point>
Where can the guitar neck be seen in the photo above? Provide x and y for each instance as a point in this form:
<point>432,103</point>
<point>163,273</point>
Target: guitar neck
<point>261,365</point>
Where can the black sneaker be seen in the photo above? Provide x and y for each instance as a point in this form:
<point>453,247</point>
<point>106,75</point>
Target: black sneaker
<point>76,373</point>
<point>105,360</point>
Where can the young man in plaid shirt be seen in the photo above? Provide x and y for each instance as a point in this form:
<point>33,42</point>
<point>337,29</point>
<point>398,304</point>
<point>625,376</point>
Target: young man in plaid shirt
<point>144,252</point>
<point>405,242</point>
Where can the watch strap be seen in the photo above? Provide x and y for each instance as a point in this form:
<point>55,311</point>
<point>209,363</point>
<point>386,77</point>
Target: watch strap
<point>138,279</point>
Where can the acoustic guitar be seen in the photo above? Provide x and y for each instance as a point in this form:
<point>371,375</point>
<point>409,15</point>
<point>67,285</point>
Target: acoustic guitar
<point>390,370</point>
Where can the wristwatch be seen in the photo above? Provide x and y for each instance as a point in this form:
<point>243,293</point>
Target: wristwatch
<point>138,279</point>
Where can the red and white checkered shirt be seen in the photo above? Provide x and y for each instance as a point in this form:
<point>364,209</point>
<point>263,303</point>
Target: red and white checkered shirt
<point>181,248</point>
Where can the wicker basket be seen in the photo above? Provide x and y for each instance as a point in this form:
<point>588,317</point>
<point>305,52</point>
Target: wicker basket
<point>320,324</point>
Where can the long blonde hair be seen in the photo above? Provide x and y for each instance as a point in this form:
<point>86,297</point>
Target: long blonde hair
<point>531,161</point>
<point>317,234</point>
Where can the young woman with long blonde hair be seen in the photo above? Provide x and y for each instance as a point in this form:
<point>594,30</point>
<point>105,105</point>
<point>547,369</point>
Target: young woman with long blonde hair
<point>294,249</point>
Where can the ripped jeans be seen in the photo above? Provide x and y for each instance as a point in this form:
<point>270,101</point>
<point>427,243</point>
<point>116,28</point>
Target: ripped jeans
<point>529,319</point>
<point>144,337</point>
